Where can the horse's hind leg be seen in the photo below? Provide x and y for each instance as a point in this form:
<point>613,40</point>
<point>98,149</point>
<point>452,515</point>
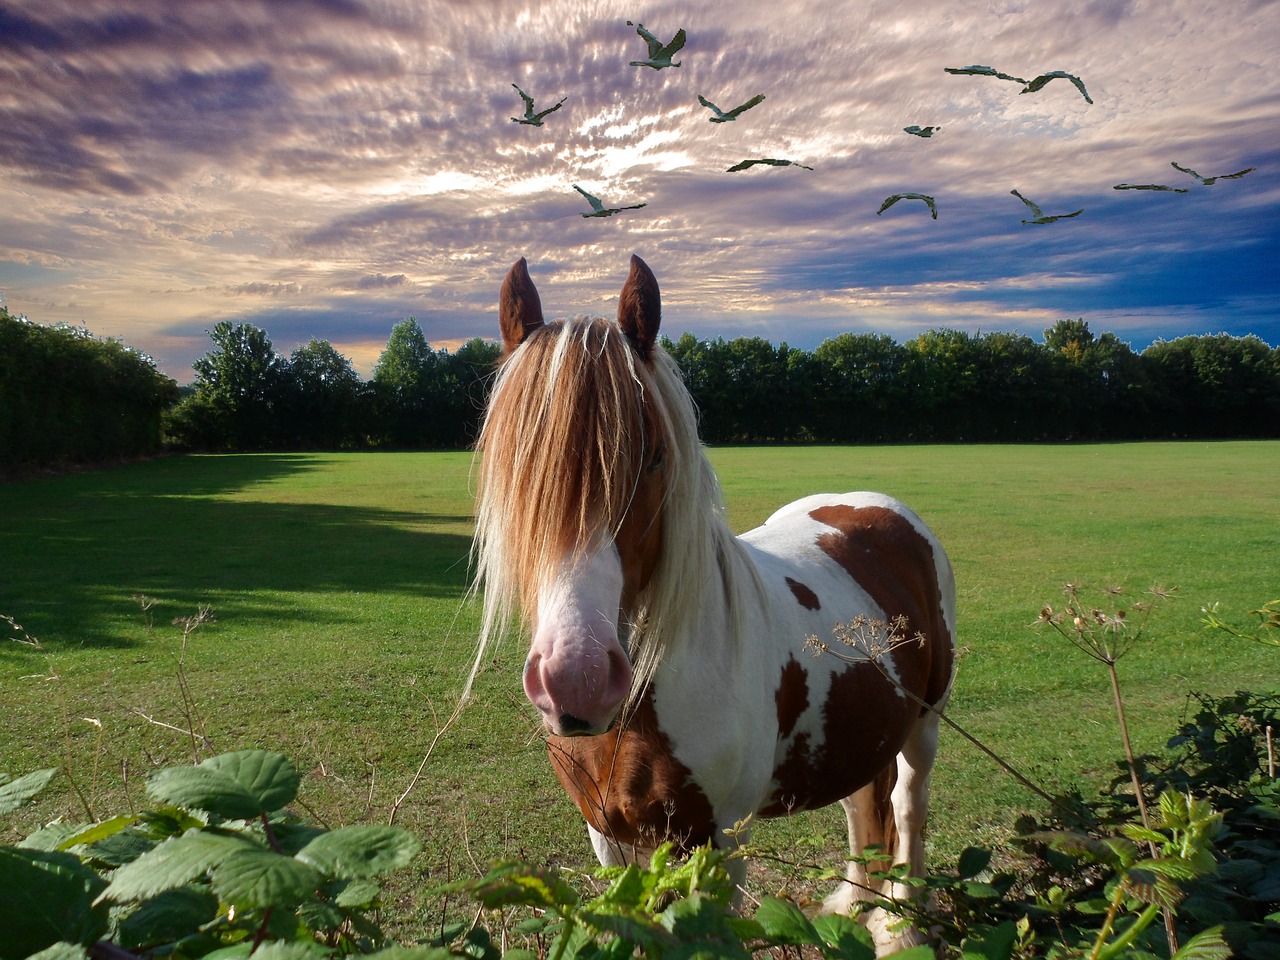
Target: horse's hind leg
<point>890,813</point>
<point>865,810</point>
<point>910,802</point>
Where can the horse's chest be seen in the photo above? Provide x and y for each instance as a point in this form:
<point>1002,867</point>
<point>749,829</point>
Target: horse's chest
<point>630,786</point>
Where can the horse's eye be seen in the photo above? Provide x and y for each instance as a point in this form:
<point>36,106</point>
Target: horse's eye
<point>659,458</point>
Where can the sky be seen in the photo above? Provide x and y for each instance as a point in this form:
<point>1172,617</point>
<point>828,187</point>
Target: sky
<point>326,168</point>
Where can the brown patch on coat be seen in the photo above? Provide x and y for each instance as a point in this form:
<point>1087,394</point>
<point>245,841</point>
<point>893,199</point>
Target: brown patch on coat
<point>630,787</point>
<point>808,599</point>
<point>860,706</point>
<point>887,556</point>
<point>792,697</point>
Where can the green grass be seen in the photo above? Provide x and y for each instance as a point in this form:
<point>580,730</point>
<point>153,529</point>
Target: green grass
<point>343,635</point>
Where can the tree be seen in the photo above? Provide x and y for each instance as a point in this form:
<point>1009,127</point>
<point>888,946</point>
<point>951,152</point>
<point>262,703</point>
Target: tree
<point>239,393</point>
<point>323,399</point>
<point>1215,386</point>
<point>68,396</point>
<point>858,387</point>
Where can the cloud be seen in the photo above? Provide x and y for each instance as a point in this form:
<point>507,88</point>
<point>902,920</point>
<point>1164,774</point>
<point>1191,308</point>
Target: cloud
<point>331,167</point>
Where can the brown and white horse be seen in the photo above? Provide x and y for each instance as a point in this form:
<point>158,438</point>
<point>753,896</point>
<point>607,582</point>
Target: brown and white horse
<point>669,658</point>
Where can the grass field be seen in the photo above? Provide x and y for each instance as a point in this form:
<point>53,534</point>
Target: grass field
<point>343,632</point>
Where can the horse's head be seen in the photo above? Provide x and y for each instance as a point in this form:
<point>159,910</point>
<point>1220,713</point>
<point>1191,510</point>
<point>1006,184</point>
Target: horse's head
<point>574,470</point>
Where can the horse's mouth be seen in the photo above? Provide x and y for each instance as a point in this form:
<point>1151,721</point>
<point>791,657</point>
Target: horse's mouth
<point>571,726</point>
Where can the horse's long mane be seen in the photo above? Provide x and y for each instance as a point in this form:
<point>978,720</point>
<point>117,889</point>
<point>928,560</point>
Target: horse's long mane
<point>574,418</point>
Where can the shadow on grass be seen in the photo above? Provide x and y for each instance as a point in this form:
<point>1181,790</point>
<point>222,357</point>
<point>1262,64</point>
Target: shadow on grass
<point>76,549</point>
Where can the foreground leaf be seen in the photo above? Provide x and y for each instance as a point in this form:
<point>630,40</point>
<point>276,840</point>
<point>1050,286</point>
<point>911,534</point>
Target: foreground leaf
<point>846,938</point>
<point>45,898</point>
<point>168,917</point>
<point>14,793</point>
<point>360,852</point>
<point>174,863</point>
<point>239,786</point>
<point>254,877</point>
<point>784,923</point>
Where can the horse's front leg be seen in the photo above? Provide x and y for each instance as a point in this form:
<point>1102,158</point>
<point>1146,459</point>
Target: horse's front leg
<point>611,853</point>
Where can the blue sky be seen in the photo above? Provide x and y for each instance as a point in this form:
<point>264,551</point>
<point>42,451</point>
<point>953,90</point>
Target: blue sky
<point>325,168</point>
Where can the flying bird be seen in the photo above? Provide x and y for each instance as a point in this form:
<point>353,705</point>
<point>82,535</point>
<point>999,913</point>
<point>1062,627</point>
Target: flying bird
<point>981,71</point>
<point>531,118</point>
<point>598,209</point>
<point>768,161</point>
<point>916,131</point>
<point>1150,186</point>
<point>1039,82</point>
<point>1209,181</point>
<point>659,55</point>
<point>1028,86</point>
<point>724,116</point>
<point>1040,216</point>
<point>890,201</point>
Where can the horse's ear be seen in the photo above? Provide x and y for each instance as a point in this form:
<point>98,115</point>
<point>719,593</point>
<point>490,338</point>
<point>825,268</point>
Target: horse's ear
<point>519,308</point>
<point>640,307</point>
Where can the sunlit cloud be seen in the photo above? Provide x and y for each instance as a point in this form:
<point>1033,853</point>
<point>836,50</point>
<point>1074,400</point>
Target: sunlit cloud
<point>326,169</point>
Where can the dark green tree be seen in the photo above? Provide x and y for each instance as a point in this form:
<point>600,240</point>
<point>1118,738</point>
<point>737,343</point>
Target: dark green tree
<point>67,396</point>
<point>1215,386</point>
<point>240,393</point>
<point>858,389</point>
<point>323,407</point>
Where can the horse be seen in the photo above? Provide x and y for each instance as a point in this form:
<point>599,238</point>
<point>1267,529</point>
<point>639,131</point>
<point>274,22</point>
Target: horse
<point>673,664</point>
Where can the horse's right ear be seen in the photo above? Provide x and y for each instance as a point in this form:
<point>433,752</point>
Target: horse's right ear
<point>519,308</point>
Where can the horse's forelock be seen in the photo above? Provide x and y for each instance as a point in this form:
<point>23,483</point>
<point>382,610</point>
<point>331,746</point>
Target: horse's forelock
<point>563,443</point>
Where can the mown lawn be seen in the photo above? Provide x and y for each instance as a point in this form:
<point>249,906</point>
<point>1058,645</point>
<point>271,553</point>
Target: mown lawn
<point>343,632</point>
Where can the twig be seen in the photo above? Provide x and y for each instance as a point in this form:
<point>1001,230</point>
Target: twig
<point>395,807</point>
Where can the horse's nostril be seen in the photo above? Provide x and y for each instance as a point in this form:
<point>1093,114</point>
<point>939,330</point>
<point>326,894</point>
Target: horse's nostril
<point>572,726</point>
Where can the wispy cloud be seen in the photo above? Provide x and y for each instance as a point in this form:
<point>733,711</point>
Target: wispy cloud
<point>324,169</point>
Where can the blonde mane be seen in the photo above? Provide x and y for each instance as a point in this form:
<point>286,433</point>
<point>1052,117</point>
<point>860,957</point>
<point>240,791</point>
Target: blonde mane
<point>563,445</point>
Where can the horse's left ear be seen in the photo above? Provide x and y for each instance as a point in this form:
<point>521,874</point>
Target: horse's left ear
<point>519,307</point>
<point>640,307</point>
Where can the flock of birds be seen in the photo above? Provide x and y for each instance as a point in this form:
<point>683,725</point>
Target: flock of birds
<point>660,58</point>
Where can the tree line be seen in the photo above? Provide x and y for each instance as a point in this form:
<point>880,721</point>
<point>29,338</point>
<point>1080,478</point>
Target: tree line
<point>67,396</point>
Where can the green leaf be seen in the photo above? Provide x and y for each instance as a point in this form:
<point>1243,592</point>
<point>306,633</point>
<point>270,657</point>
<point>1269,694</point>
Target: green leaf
<point>631,925</point>
<point>50,836</point>
<point>922,952</point>
<point>120,848</point>
<point>98,831</point>
<point>174,863</point>
<point>239,786</point>
<point>973,860</point>
<point>845,938</point>
<point>1205,945</point>
<point>46,897</point>
<point>358,893</point>
<point>61,951</point>
<point>784,923</point>
<point>360,852</point>
<point>523,885</point>
<point>14,793</point>
<point>995,944</point>
<point>167,917</point>
<point>254,877</point>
